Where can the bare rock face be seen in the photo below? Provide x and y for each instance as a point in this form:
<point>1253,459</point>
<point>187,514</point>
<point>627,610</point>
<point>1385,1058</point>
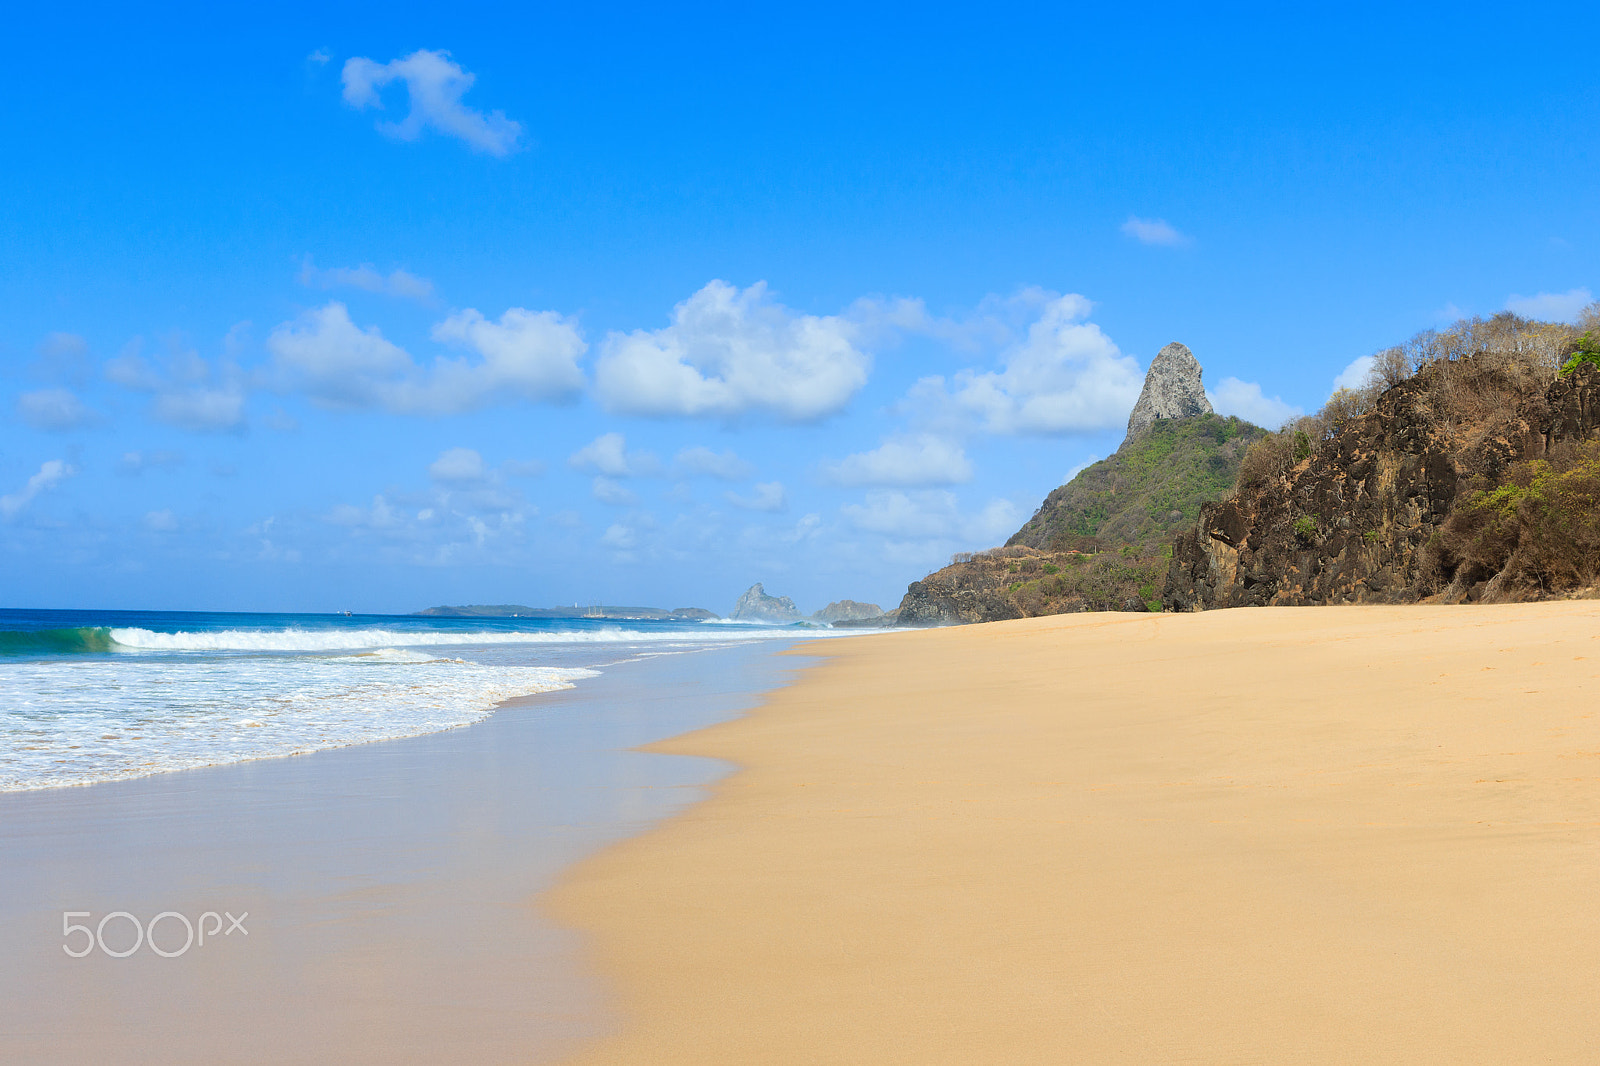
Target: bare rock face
<point>1171,390</point>
<point>955,596</point>
<point>847,611</point>
<point>756,606</point>
<point>1356,521</point>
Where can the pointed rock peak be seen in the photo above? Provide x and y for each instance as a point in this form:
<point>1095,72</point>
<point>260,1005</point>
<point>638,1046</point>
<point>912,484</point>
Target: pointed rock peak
<point>756,606</point>
<point>1171,390</point>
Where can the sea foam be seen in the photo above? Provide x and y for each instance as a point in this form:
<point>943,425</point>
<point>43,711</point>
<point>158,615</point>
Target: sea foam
<point>78,721</point>
<point>103,702</point>
<point>337,639</point>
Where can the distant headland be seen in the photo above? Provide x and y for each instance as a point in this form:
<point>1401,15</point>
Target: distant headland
<point>753,606</point>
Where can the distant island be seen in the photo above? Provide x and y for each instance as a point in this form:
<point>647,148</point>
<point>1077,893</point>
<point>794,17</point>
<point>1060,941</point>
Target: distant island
<point>757,606</point>
<point>754,606</point>
<point>620,614</point>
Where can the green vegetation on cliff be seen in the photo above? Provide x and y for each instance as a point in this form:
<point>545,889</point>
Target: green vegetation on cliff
<point>1466,469</point>
<point>1153,486</point>
<point>1537,532</point>
<point>1587,351</point>
<point>1101,542</point>
<point>1022,582</point>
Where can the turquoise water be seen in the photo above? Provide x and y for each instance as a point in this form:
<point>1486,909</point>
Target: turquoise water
<point>90,696</point>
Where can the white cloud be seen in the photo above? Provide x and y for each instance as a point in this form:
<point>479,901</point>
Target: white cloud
<point>1065,376</point>
<point>381,515</point>
<point>996,321</point>
<point>882,320</point>
<point>998,519</point>
<point>702,460</point>
<point>1230,396</point>
<point>63,357</point>
<point>51,473</point>
<point>435,84</point>
<point>188,392</point>
<point>919,460</point>
<point>59,343</point>
<point>618,536</point>
<point>265,549</point>
<point>729,351</point>
<point>160,521</point>
<point>131,370</point>
<point>55,409</point>
<point>808,528</point>
<point>608,454</point>
<point>202,407</point>
<point>533,354</point>
<point>445,525</point>
<point>768,496</point>
<point>1355,375</point>
<point>458,466</point>
<point>138,462</point>
<point>609,490</point>
<point>527,355</point>
<point>1080,468</point>
<point>336,363</point>
<point>396,283</point>
<point>931,515</point>
<point>1551,306</point>
<point>1153,231</point>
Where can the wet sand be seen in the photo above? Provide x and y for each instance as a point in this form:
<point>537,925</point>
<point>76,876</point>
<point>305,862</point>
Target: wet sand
<point>1332,835</point>
<point>392,889</point>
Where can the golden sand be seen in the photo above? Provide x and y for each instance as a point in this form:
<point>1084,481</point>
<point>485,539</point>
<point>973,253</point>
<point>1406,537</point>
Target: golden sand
<point>1330,835</point>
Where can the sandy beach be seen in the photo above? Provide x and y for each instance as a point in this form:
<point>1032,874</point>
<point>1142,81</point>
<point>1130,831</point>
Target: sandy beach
<point>1329,835</point>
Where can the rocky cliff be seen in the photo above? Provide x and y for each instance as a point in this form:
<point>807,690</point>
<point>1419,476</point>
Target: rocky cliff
<point>1019,582</point>
<point>1099,542</point>
<point>847,611</point>
<point>1172,389</point>
<point>756,606</point>
<point>1380,510</point>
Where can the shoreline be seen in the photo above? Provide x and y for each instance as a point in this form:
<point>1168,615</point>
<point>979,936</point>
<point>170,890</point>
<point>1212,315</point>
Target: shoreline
<point>1362,835</point>
<point>118,700</point>
<point>392,887</point>
<point>477,715</point>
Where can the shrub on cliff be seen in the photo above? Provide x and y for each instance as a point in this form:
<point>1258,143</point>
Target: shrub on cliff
<point>1539,529</point>
<point>1588,351</point>
<point>1346,404</point>
<point>1020,582</point>
<point>1154,484</point>
<point>1476,374</point>
<point>1266,460</point>
<point>1443,475</point>
<point>1273,455</point>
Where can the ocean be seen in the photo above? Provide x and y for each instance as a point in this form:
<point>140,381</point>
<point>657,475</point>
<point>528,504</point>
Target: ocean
<point>88,696</point>
<point>391,890</point>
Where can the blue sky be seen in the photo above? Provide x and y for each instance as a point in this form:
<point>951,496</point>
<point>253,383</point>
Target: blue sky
<point>380,307</point>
